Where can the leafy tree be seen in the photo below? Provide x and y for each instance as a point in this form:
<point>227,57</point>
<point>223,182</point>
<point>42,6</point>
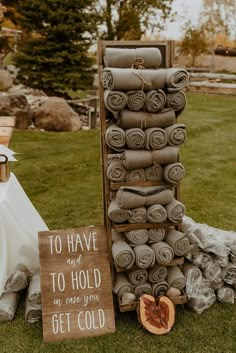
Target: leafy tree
<point>218,16</point>
<point>129,19</point>
<point>54,54</point>
<point>194,42</point>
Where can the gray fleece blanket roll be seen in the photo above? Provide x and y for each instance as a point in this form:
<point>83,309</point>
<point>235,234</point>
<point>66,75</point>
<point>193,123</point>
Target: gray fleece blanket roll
<point>157,273</point>
<point>154,173</point>
<point>156,234</point>
<point>136,175</point>
<point>128,119</point>
<point>143,159</point>
<point>135,138</point>
<point>144,256</point>
<point>177,101</point>
<point>115,138</point>
<point>155,101</point>
<point>163,252</point>
<point>137,237</point>
<point>8,305</point>
<point>116,171</point>
<point>176,134</point>
<point>131,197</point>
<point>138,276</point>
<point>156,214</point>
<point>116,214</point>
<point>159,288</point>
<point>156,138</point>
<point>122,285</point>
<point>138,215</point>
<point>175,211</point>
<point>136,100</point>
<point>115,101</point>
<point>145,288</point>
<point>148,57</point>
<point>176,278</point>
<point>178,241</point>
<point>173,173</point>
<point>117,79</point>
<point>122,254</point>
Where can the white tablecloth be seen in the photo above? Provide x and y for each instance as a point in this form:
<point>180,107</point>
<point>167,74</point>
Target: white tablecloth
<point>19,226</point>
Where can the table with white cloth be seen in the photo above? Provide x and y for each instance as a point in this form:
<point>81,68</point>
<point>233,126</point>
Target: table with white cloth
<point>19,226</point>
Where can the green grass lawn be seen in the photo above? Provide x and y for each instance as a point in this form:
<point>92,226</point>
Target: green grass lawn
<point>61,173</point>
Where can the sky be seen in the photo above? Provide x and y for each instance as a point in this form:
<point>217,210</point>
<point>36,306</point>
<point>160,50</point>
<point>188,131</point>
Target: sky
<point>186,9</point>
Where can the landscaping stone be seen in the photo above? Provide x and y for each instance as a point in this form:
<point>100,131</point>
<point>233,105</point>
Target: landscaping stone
<point>56,115</point>
<point>17,105</point>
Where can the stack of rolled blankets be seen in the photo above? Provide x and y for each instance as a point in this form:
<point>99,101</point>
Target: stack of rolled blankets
<point>143,138</point>
<point>210,266</point>
<point>21,283</point>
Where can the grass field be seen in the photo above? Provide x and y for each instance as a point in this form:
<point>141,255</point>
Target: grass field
<point>61,174</point>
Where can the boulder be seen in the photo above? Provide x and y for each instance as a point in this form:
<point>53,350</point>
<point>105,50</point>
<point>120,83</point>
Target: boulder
<point>5,80</point>
<point>17,105</point>
<point>56,115</point>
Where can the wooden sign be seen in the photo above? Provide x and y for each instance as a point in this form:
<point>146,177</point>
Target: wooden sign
<point>76,285</point>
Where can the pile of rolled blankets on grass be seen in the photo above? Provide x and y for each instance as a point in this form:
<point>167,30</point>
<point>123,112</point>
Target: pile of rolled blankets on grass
<point>21,285</point>
<point>210,266</point>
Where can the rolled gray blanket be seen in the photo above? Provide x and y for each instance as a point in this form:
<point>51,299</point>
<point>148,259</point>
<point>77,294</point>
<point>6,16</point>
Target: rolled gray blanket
<point>131,197</point>
<point>115,138</point>
<point>225,294</point>
<point>116,171</point>
<point>164,254</point>
<point>129,57</point>
<point>135,138</point>
<point>175,211</point>
<point>212,271</point>
<point>115,101</point>
<point>116,214</point>
<point>156,234</point>
<point>156,138</point>
<point>138,276</point>
<point>17,280</point>
<point>178,241</point>
<point>33,313</point>
<point>137,237</point>
<point>145,288</point>
<point>176,134</point>
<point>192,273</point>
<point>135,175</point>
<point>176,101</point>
<point>128,119</point>
<point>156,214</point>
<point>176,78</point>
<point>34,290</point>
<point>144,256</point>
<point>138,215</point>
<point>173,173</point>
<point>122,285</point>
<point>8,305</point>
<point>122,254</point>
<point>157,273</point>
<point>176,278</point>
<point>116,79</point>
<point>137,159</point>
<point>154,173</point>
<point>155,101</point>
<point>159,288</point>
<point>136,100</point>
<point>229,274</point>
<point>166,155</point>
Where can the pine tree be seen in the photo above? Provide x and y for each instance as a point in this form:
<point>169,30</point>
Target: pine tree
<point>53,55</point>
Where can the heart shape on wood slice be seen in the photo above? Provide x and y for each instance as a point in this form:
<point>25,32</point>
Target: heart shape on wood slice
<point>156,315</point>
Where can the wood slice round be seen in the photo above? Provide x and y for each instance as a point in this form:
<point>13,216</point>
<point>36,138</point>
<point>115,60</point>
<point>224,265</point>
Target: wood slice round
<point>156,315</point>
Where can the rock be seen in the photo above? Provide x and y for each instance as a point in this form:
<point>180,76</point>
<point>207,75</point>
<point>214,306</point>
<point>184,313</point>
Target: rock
<point>5,80</point>
<point>17,105</point>
<point>56,115</point>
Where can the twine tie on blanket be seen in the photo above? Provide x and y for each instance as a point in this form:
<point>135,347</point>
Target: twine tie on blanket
<point>156,165</point>
<point>141,77</point>
<point>138,62</point>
